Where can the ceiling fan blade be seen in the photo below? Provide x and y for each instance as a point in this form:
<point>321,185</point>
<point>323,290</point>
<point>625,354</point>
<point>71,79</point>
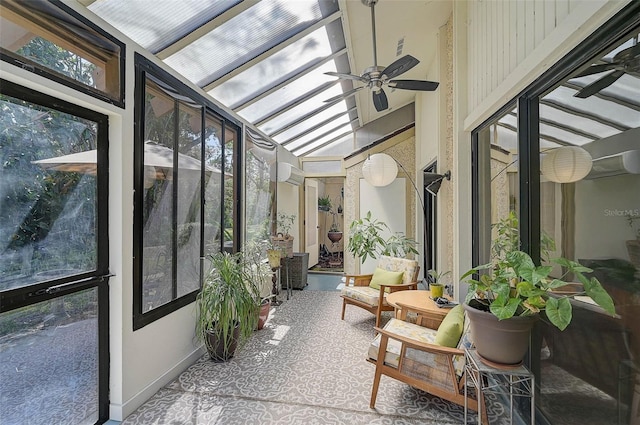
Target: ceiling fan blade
<point>347,76</point>
<point>380,100</point>
<point>420,85</point>
<point>596,86</point>
<point>596,69</point>
<point>400,66</point>
<point>343,95</point>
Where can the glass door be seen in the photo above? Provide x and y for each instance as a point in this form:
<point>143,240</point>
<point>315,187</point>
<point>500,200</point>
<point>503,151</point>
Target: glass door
<point>53,260</point>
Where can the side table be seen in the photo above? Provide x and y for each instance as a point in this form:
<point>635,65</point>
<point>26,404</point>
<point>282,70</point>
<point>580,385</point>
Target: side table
<point>516,381</point>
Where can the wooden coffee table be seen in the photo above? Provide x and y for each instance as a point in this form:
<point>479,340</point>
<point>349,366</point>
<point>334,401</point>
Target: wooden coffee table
<point>430,315</point>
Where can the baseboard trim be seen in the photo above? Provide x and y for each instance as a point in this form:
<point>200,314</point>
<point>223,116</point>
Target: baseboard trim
<point>118,412</point>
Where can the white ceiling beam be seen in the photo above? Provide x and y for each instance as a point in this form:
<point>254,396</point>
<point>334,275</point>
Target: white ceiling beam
<point>240,106</point>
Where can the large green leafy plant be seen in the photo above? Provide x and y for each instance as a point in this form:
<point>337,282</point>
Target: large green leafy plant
<point>513,285</point>
<point>365,240</point>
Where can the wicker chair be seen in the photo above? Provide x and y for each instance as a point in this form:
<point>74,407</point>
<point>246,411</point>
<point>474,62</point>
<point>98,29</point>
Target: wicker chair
<point>358,292</point>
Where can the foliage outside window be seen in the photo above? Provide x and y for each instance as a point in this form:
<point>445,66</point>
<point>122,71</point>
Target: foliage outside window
<point>260,158</point>
<point>47,203</point>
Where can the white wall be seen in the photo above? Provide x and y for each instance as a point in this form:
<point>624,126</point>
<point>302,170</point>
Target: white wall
<point>288,201</point>
<point>387,204</point>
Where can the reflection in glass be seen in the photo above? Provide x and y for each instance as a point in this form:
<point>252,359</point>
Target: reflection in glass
<point>213,182</point>
<point>158,210</point>
<point>47,194</point>
<point>497,151</point>
<point>589,372</point>
<point>188,200</point>
<point>49,361</point>
<point>260,158</point>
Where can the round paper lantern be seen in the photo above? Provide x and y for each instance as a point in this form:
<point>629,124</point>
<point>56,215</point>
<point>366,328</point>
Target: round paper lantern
<point>566,164</point>
<point>379,169</point>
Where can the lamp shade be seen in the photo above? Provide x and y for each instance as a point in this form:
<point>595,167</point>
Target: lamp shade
<point>379,169</point>
<point>566,164</point>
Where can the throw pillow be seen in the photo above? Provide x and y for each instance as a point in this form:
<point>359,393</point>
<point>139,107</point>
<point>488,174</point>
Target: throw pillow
<point>450,329</point>
<point>385,276</point>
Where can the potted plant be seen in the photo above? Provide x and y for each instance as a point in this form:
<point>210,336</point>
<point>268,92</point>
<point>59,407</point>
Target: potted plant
<point>324,203</point>
<point>283,240</point>
<point>227,308</point>
<point>334,234</point>
<point>511,293</point>
<point>258,272</point>
<point>365,240</point>
<point>436,283</point>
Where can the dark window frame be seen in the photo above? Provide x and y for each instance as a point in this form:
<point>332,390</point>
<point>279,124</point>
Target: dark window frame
<point>143,68</point>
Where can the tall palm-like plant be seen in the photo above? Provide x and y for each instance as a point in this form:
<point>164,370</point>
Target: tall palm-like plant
<point>228,312</point>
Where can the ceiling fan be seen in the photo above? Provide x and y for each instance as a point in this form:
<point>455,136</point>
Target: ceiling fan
<point>376,76</point>
<point>627,60</point>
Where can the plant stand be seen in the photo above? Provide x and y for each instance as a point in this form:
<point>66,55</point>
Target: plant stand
<point>516,381</point>
<point>274,289</point>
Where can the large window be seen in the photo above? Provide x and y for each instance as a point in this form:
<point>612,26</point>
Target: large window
<point>593,214</point>
<point>186,194</point>
<point>574,181</point>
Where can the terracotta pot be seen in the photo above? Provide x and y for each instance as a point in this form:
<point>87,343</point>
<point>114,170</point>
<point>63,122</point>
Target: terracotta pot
<point>500,341</point>
<point>263,314</point>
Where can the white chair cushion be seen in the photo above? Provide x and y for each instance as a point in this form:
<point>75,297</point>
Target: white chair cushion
<point>408,330</point>
<point>362,293</point>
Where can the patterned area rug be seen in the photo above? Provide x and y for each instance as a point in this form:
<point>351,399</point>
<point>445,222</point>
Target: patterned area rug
<point>305,367</point>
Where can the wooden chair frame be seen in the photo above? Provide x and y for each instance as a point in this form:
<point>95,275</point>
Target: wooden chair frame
<point>455,396</point>
<point>364,280</point>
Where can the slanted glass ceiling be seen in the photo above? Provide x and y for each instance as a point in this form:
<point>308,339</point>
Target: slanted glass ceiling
<point>263,59</point>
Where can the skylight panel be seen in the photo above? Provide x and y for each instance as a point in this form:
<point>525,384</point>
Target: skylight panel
<point>593,105</point>
<point>330,134</point>
<point>277,68</point>
<point>288,93</point>
<point>164,23</point>
<point>569,120</point>
<point>243,38</point>
<point>314,103</point>
<point>319,131</point>
<point>342,146</point>
<point>309,123</point>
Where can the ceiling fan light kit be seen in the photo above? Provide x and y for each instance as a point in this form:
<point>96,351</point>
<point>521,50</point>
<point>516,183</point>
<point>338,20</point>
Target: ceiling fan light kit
<point>375,77</point>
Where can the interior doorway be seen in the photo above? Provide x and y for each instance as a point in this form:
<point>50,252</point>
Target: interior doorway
<point>331,226</point>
